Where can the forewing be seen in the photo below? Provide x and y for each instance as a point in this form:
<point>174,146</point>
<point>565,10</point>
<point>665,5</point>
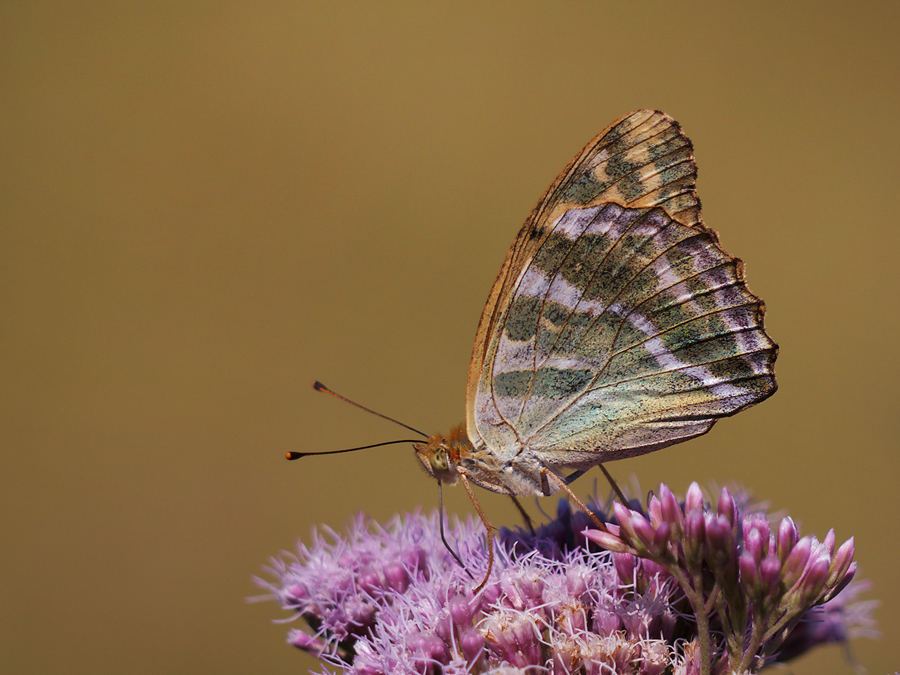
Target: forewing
<point>617,324</point>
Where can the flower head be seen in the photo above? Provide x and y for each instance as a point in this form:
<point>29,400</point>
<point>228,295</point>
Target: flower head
<point>569,599</point>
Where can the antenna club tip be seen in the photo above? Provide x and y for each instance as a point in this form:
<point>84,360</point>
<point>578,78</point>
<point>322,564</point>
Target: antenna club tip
<point>293,455</point>
<point>318,386</point>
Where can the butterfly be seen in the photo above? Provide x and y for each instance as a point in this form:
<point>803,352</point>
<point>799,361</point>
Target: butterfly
<point>617,325</point>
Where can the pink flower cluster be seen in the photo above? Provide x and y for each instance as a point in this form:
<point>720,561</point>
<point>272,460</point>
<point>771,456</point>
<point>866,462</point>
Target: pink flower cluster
<point>744,581</point>
<point>680,587</point>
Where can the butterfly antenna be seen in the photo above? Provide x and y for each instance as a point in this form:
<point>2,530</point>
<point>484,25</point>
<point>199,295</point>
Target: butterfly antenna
<point>318,386</point>
<point>298,455</point>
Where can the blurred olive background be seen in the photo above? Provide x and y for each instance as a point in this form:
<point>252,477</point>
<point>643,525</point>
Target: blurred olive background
<point>207,205</point>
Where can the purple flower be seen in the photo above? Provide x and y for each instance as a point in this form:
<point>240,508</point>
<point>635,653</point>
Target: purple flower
<point>770,595</point>
<point>678,587</point>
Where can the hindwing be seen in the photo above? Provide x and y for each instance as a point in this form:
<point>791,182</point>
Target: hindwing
<point>617,324</point>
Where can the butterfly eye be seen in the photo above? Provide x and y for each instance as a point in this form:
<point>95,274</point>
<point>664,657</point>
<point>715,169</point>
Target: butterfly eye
<point>439,461</point>
<point>434,458</point>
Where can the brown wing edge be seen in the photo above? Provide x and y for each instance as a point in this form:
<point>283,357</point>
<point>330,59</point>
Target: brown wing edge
<point>677,197</point>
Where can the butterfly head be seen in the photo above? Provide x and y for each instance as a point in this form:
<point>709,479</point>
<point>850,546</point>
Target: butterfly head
<point>440,455</point>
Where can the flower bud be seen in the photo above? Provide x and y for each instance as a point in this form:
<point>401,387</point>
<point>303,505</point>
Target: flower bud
<point>694,536</point>
<point>471,643</point>
<point>770,573</point>
<point>625,564</point>
<point>608,541</point>
<point>693,501</point>
<point>727,507</point>
<point>813,581</point>
<point>840,563</point>
<point>787,537</point>
<point>756,536</point>
<point>750,581</point>
<point>796,561</point>
<point>671,510</point>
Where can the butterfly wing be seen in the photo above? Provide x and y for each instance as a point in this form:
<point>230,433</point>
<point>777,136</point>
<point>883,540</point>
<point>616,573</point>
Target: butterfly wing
<point>617,325</point>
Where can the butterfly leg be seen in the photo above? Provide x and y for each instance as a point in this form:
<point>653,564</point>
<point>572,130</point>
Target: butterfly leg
<point>614,485</point>
<point>573,476</point>
<point>488,526</point>
<point>524,514</point>
<point>546,474</point>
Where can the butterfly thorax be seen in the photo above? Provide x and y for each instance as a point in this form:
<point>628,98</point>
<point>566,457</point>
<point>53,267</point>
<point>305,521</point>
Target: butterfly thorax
<point>447,457</point>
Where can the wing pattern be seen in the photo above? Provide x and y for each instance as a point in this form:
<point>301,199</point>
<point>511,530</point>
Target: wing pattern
<point>617,325</point>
